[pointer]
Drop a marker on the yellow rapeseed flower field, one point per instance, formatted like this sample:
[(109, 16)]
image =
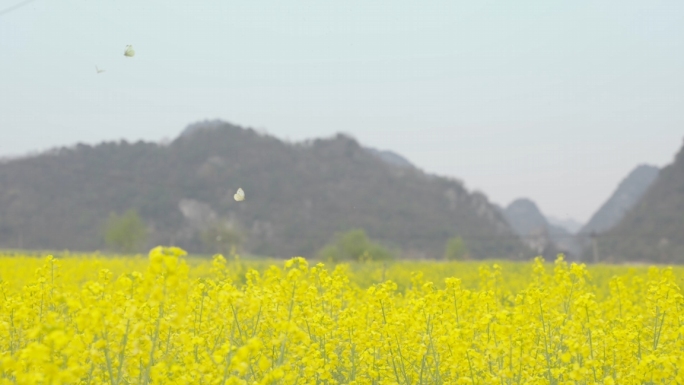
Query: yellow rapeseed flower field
[(168, 319)]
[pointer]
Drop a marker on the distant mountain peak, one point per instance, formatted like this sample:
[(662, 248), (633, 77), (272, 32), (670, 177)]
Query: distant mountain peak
[(525, 217), (340, 139), (569, 224), (653, 228), (531, 225), (205, 125), (391, 158), (628, 193)]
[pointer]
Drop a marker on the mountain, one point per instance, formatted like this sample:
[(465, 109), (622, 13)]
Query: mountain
[(298, 196), (653, 230), (391, 158), (536, 232), (569, 224), (525, 217), (206, 125), (627, 194)]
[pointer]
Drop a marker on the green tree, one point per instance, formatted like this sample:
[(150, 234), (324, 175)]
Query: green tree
[(125, 233), (354, 245), (455, 249)]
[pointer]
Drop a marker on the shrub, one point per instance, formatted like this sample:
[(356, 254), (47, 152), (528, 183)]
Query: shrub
[(455, 249), (125, 233), (354, 245)]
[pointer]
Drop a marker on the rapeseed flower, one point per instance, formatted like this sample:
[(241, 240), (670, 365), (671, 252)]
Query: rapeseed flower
[(172, 320)]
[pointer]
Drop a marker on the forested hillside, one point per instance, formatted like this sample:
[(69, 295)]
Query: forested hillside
[(298, 196), (654, 229)]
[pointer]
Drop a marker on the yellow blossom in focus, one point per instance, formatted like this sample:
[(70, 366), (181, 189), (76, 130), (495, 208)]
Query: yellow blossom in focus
[(174, 319)]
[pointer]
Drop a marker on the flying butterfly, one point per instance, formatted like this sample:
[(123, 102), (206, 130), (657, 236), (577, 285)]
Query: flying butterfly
[(129, 52), (239, 195), (99, 71)]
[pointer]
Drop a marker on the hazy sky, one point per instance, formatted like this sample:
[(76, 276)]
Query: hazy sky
[(555, 101)]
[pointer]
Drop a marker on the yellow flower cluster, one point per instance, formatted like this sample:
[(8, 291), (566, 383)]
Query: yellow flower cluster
[(169, 320)]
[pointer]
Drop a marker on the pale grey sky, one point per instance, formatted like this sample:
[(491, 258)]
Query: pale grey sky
[(555, 101)]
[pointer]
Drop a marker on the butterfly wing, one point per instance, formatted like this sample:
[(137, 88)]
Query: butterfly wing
[(239, 195), (129, 52)]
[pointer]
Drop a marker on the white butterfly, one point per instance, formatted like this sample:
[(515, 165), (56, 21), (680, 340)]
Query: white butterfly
[(129, 52), (99, 71), (239, 195)]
